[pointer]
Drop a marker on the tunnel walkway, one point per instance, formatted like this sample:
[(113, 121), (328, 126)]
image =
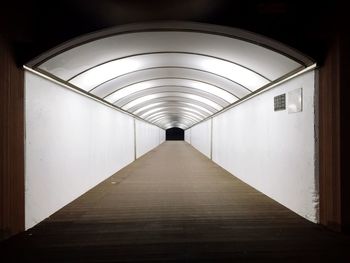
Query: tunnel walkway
[(175, 205)]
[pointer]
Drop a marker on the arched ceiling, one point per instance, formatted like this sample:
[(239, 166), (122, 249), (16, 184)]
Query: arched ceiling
[(171, 74)]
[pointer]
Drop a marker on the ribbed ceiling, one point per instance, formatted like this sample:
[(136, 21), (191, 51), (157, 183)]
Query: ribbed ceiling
[(171, 74)]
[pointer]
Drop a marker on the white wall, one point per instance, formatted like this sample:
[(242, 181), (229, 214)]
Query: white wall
[(272, 151), (147, 137), (72, 144), (188, 136), (201, 137), (161, 136)]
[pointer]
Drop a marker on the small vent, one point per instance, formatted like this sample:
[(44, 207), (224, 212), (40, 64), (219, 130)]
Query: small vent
[(280, 102)]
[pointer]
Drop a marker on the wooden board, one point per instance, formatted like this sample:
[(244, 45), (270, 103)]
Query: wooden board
[(11, 144), (175, 205)]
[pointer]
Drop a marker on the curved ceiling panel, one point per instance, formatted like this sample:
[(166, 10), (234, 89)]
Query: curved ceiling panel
[(163, 120), (171, 74), (190, 96), (176, 125), (144, 111), (171, 99), (166, 82), (174, 112), (177, 107), (171, 89), (99, 74), (89, 55)]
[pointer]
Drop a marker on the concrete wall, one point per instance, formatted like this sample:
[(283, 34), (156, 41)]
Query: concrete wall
[(272, 151), (72, 144)]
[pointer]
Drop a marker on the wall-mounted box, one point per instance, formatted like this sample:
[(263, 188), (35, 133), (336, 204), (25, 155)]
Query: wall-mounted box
[(295, 100)]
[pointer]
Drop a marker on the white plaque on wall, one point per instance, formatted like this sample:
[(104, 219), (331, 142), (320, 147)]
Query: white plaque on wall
[(295, 100)]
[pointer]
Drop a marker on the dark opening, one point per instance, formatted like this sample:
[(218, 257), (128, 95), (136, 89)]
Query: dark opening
[(175, 134)]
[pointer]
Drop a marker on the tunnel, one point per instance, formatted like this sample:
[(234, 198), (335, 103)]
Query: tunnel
[(172, 141), (174, 134)]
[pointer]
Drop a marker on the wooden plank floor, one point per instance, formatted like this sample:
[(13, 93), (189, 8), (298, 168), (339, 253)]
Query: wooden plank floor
[(175, 205)]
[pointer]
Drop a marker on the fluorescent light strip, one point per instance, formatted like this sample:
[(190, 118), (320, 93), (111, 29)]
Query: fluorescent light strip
[(148, 106), (189, 121), (196, 117), (172, 102), (107, 71), (150, 112), (175, 125), (165, 121), (176, 94), (127, 91), (172, 116)]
